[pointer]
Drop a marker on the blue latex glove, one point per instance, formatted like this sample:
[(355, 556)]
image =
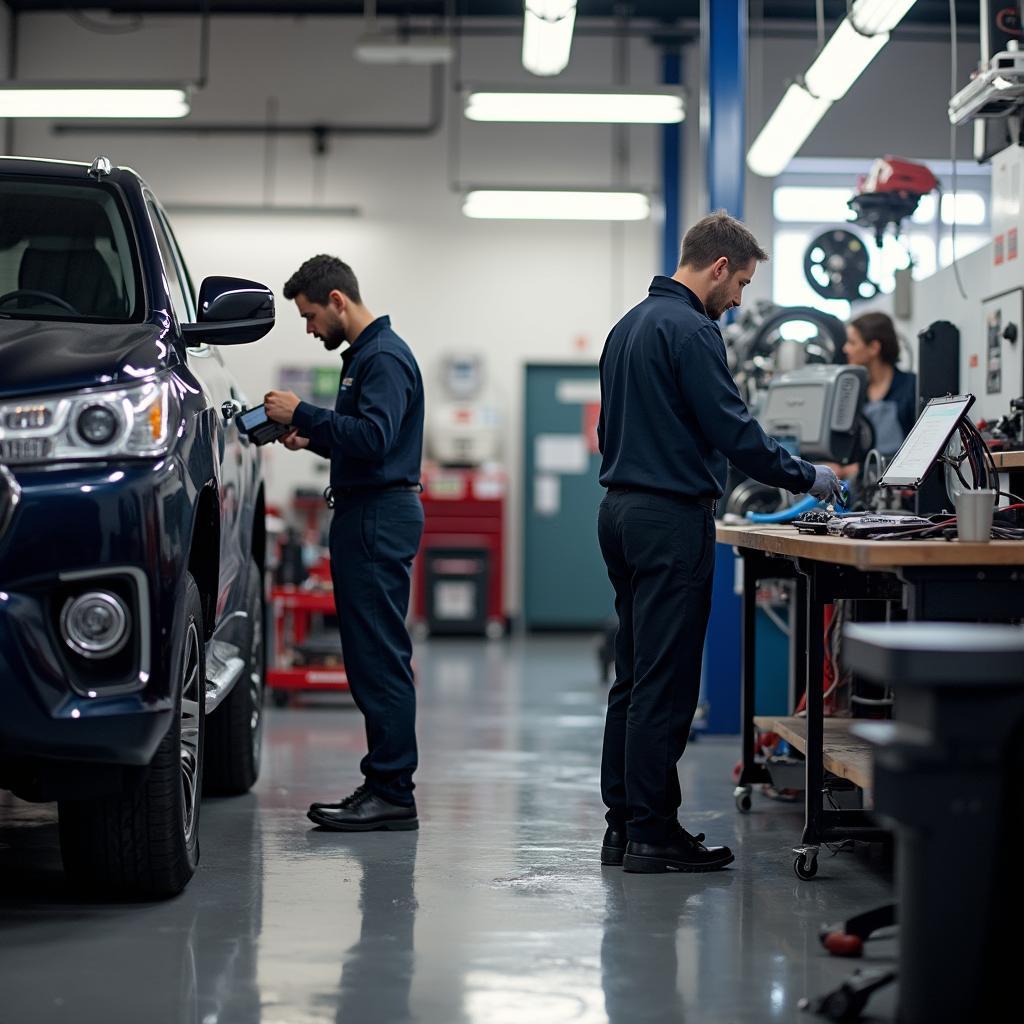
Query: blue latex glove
[(826, 486)]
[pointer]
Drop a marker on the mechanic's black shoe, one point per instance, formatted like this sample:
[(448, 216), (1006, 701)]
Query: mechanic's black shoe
[(682, 852), (341, 805), (613, 846), (366, 812)]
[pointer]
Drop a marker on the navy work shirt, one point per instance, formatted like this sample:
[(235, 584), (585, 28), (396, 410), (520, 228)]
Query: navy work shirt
[(374, 436), (671, 414)]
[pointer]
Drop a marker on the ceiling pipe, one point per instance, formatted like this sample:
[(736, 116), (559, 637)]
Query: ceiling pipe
[(319, 132)]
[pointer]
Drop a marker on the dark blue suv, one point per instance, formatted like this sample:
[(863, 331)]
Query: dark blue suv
[(131, 526)]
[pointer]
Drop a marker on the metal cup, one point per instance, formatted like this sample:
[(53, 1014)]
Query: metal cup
[(974, 515)]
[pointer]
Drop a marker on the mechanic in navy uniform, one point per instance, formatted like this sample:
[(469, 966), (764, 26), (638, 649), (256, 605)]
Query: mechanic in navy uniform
[(671, 418), (374, 439)]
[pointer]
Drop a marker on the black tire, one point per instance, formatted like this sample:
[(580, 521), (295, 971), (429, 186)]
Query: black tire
[(235, 729), (144, 842)]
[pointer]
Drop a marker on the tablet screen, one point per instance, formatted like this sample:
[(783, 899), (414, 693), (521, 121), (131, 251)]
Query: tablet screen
[(926, 441)]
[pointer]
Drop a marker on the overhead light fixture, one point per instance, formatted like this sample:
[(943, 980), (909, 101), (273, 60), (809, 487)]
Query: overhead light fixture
[(550, 204), (852, 47), (786, 131), (547, 35), (871, 16), (96, 101), (390, 48), (842, 61), (606, 106)]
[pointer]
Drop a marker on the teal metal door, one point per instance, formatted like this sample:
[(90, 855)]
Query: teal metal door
[(565, 585)]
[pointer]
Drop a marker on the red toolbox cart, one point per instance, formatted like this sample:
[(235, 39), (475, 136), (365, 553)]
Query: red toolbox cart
[(294, 609), (458, 578)]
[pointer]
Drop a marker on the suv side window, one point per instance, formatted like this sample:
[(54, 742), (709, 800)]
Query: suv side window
[(177, 283)]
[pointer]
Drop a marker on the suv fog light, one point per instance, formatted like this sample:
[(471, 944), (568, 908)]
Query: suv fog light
[(97, 424), (95, 625)]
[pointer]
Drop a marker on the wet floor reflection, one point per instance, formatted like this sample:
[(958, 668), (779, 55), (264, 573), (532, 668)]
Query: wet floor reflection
[(377, 970), (65, 957)]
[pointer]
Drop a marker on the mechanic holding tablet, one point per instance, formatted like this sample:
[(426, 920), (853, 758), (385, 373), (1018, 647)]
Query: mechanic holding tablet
[(374, 440)]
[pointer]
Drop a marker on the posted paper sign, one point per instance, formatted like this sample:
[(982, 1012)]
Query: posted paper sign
[(578, 392), (561, 453), (547, 494)]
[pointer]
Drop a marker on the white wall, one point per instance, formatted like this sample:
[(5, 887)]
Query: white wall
[(518, 291)]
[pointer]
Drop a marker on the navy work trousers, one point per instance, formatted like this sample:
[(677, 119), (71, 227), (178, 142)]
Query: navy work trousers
[(374, 538), (660, 553)]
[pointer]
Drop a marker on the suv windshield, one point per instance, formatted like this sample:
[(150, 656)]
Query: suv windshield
[(65, 253)]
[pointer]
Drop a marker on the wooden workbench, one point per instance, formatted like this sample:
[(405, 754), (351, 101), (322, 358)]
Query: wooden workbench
[(869, 555), (935, 580), (1009, 460)]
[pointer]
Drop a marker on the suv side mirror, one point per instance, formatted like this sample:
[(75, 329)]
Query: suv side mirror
[(232, 311)]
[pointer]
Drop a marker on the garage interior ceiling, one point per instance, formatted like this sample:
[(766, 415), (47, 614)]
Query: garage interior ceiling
[(923, 13)]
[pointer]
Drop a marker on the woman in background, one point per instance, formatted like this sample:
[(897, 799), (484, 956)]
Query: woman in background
[(891, 402)]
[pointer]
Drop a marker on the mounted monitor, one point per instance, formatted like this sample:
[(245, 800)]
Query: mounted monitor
[(926, 441)]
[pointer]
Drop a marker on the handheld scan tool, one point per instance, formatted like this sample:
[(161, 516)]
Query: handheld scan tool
[(259, 427)]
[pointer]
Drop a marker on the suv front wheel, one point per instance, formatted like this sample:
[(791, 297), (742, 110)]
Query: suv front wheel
[(144, 842)]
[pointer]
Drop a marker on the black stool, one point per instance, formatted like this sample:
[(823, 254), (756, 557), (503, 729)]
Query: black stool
[(948, 773)]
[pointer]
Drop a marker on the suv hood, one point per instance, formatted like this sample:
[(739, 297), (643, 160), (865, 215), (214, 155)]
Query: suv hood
[(40, 357)]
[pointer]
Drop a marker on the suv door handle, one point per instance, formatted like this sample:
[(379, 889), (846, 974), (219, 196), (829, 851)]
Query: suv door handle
[(230, 409)]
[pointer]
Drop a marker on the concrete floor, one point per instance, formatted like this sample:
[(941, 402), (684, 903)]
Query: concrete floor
[(496, 912)]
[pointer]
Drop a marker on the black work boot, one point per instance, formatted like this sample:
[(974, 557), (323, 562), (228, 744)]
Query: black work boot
[(365, 812), (613, 846), (341, 804), (682, 852)]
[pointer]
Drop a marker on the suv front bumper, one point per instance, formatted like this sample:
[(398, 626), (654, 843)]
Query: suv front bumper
[(76, 528)]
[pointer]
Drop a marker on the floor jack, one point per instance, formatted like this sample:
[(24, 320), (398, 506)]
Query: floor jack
[(847, 1002)]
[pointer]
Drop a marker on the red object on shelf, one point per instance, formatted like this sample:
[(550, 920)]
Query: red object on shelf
[(293, 610), (464, 511), (894, 174)]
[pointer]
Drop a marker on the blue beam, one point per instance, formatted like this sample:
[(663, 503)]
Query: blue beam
[(724, 25), (671, 170)]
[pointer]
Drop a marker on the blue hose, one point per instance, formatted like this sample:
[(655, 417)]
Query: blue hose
[(805, 504), (786, 515)]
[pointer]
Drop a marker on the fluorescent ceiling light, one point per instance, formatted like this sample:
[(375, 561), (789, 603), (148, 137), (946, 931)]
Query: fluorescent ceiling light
[(388, 48), (23, 99), (516, 204), (547, 35), (871, 16), (852, 47), (580, 107), (35, 99), (842, 61), (787, 129)]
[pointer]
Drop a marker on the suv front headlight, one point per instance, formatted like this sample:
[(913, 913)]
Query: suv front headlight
[(129, 422)]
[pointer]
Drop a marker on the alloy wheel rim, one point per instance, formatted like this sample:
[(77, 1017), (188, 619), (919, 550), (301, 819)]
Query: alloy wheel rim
[(190, 709)]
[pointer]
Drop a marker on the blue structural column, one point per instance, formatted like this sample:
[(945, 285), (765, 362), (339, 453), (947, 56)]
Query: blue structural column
[(671, 169), (724, 40)]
